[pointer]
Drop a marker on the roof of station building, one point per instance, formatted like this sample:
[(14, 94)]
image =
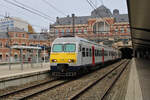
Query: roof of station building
[(99, 12)]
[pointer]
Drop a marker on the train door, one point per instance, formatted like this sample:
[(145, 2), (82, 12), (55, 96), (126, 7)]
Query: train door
[(80, 53), (93, 55), (103, 55)]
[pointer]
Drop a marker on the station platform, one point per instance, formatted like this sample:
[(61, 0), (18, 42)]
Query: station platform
[(18, 75), (139, 80), (16, 70)]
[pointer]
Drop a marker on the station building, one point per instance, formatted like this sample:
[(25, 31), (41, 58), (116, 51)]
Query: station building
[(101, 25), (17, 36)]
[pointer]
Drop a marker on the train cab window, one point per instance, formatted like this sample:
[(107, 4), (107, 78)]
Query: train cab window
[(57, 48), (69, 48), (87, 52), (83, 52)]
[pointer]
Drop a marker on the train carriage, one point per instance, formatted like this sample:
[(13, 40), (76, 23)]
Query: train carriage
[(73, 55)]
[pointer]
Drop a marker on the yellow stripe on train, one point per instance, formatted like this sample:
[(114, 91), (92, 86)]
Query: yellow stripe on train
[(63, 57)]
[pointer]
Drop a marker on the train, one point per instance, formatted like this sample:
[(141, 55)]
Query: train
[(72, 55)]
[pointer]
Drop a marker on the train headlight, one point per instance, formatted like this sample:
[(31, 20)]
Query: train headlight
[(70, 60), (54, 60)]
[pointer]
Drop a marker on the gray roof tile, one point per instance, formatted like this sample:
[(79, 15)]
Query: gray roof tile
[(37, 36), (101, 11)]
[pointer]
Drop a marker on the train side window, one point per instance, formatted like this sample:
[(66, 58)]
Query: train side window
[(83, 52), (87, 52), (79, 47), (95, 52), (98, 52), (90, 52), (105, 53)]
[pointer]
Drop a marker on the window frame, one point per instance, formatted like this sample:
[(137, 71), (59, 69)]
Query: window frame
[(67, 44), (58, 51)]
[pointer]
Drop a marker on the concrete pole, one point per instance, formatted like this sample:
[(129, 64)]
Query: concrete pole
[(44, 54), (21, 56), (37, 56), (73, 24), (9, 42)]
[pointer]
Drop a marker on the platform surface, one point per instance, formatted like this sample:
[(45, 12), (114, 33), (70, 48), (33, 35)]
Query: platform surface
[(143, 69), (139, 80), (27, 69)]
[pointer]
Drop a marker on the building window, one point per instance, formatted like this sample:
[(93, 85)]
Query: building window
[(7, 57), (0, 57), (16, 35), (23, 35), (76, 30), (23, 44), (15, 44), (80, 31), (128, 30), (16, 56), (62, 32), (56, 31), (6, 45), (0, 44), (122, 30), (85, 31), (116, 30), (67, 31)]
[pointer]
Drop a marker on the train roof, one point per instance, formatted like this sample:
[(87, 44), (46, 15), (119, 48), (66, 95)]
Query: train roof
[(75, 39)]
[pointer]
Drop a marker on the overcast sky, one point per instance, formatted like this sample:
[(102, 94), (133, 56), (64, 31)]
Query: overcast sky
[(79, 7)]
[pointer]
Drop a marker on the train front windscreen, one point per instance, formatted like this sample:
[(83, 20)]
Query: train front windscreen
[(64, 47)]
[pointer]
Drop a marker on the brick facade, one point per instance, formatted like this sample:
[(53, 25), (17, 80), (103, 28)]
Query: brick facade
[(20, 38)]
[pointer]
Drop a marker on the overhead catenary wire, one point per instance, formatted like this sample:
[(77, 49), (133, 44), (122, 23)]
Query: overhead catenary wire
[(52, 6), (31, 8), (19, 6), (89, 2)]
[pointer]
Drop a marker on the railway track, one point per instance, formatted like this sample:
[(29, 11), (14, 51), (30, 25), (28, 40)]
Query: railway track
[(31, 91), (23, 93), (79, 93)]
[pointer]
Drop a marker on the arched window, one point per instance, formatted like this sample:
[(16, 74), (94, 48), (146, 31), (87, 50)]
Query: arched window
[(16, 57), (101, 27)]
